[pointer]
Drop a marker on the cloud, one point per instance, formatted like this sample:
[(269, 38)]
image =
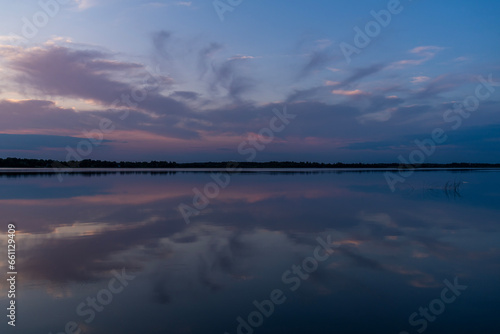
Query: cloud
[(229, 75), (332, 83), (362, 73), (420, 79), (441, 84), (380, 145), (318, 60), (332, 69), (321, 93), (60, 71), (484, 138), (92, 75), (20, 142), (185, 95), (348, 92), (310, 94), (211, 121), (42, 117), (12, 39), (185, 4), (379, 116), (425, 53), (205, 55), (241, 57), (86, 4), (160, 42)]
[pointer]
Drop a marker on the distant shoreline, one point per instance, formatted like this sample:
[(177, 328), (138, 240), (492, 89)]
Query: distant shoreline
[(41, 165)]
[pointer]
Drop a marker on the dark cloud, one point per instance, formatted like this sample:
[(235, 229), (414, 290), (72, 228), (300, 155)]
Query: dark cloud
[(160, 42), (373, 145), (204, 57), (229, 75), (185, 95), (36, 142), (59, 71), (83, 74), (41, 115), (472, 140), (361, 73), (375, 120), (38, 115), (318, 60), (441, 84), (322, 93), (310, 94)]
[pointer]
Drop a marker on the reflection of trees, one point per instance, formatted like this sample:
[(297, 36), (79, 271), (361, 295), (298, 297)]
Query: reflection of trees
[(450, 189)]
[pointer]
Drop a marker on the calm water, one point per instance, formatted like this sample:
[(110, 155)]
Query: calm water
[(424, 252)]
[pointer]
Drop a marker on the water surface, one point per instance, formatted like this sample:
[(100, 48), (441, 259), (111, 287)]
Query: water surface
[(392, 254)]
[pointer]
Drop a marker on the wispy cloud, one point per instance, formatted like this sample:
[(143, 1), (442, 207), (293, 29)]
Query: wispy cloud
[(362, 73), (317, 60), (205, 56), (460, 59), (425, 53), (441, 84), (86, 4), (380, 116), (349, 92), (157, 4), (332, 83), (420, 79), (184, 3), (230, 76), (241, 57)]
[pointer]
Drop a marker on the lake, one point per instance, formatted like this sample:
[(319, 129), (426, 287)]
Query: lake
[(254, 252)]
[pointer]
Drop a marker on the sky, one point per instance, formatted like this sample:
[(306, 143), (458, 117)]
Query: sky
[(202, 80)]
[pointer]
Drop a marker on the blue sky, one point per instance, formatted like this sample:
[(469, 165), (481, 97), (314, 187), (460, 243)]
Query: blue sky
[(204, 87)]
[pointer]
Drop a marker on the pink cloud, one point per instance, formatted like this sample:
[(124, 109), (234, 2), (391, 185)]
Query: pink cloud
[(420, 79), (349, 92), (425, 53), (332, 83)]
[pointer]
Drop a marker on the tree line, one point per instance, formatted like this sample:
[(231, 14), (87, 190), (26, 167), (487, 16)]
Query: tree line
[(88, 163)]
